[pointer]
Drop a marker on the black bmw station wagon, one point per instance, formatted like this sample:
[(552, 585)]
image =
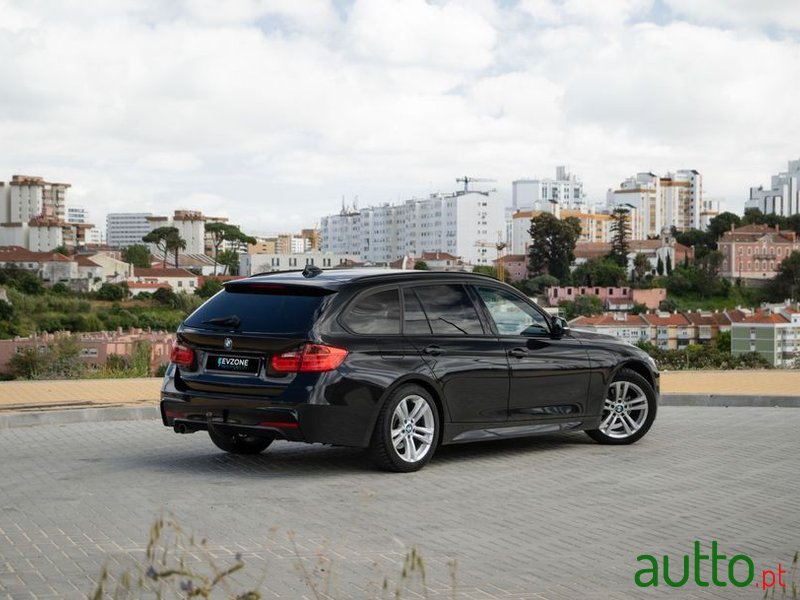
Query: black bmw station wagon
[(398, 362)]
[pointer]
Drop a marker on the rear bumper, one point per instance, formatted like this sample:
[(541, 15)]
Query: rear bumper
[(326, 424)]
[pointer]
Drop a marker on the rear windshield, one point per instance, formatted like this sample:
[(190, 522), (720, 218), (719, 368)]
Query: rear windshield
[(259, 311)]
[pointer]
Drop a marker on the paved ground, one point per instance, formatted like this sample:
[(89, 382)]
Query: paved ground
[(549, 518), (24, 395)]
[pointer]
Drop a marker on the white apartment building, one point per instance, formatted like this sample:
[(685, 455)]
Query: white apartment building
[(783, 196), (464, 224), (548, 195), (250, 264), (33, 213), (658, 203), (126, 229)]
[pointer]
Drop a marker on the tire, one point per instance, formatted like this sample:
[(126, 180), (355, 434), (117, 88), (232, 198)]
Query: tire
[(629, 409), (407, 430), (238, 443)]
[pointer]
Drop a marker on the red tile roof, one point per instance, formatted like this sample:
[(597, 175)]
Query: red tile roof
[(156, 273), (619, 320), (675, 319), (20, 254), (766, 318), (84, 261)]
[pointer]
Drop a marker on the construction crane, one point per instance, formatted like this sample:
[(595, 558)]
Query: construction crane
[(499, 245), (466, 180)]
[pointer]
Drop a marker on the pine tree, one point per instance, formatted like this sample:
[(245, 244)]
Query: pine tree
[(621, 231), (669, 265), (660, 266)]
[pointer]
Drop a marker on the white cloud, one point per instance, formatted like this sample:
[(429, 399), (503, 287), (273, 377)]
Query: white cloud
[(781, 14), (270, 112)]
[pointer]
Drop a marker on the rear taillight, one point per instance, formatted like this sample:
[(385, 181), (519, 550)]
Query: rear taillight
[(181, 355), (311, 358)]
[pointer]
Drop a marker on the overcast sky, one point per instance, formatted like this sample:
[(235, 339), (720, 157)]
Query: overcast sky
[(270, 111)]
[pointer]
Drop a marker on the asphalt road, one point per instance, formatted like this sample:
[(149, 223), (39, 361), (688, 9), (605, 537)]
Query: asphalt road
[(556, 517)]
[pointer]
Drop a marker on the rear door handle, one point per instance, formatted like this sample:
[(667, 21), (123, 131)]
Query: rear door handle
[(433, 350), (518, 352)]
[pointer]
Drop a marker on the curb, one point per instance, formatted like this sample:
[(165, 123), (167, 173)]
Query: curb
[(32, 417), (722, 400)]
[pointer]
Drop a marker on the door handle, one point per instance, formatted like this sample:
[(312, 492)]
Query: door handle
[(518, 352), (433, 350)]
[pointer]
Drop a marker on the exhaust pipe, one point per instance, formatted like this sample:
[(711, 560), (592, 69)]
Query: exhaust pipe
[(181, 428)]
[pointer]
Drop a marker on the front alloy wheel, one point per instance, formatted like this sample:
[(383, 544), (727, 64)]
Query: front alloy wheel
[(628, 410), (407, 430)]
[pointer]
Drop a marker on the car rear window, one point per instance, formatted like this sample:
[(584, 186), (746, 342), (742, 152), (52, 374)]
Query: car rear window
[(277, 311)]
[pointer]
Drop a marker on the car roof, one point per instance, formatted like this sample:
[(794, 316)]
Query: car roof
[(334, 279)]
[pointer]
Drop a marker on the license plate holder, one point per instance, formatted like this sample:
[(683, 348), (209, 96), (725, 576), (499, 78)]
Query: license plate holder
[(226, 363)]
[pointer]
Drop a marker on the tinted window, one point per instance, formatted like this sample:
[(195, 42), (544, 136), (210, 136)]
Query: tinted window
[(449, 309), (377, 313), (415, 321), (259, 311), (511, 315)]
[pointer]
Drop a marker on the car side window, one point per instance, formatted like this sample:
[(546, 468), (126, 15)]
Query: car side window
[(414, 320), (449, 309), (374, 314), (511, 315)]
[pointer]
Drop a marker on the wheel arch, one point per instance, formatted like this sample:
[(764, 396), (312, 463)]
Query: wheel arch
[(424, 382), (638, 367)]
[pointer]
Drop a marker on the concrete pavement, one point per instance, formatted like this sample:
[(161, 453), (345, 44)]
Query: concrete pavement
[(550, 518)]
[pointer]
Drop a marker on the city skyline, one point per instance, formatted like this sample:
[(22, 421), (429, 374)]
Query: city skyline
[(271, 112)]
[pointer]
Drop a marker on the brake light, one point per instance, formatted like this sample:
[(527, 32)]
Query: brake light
[(311, 358), (181, 355)]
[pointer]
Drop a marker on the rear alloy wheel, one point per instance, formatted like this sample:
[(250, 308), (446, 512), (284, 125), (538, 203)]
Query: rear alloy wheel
[(237, 443), (628, 410), (407, 430)]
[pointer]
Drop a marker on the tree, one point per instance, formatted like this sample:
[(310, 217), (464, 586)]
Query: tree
[(668, 267), (138, 255), (586, 306), (230, 260), (209, 288), (165, 296), (486, 270), (111, 291), (175, 243), (421, 265), (602, 272), (621, 231), (552, 248), (641, 266), (62, 249), (708, 282), (787, 282), (701, 241), (223, 232), (660, 266), (162, 238), (722, 223)]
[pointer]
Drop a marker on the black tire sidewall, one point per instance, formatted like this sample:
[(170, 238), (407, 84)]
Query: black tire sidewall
[(382, 448), (652, 408)]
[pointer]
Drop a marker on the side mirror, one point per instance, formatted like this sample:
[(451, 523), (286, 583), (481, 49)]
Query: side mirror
[(560, 327)]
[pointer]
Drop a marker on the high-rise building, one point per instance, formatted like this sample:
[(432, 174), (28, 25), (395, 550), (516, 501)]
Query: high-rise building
[(783, 196), (33, 213), (658, 203), (548, 195), (126, 229), (595, 227), (464, 224)]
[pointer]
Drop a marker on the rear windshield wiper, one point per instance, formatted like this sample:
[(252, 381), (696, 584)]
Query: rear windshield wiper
[(229, 321)]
